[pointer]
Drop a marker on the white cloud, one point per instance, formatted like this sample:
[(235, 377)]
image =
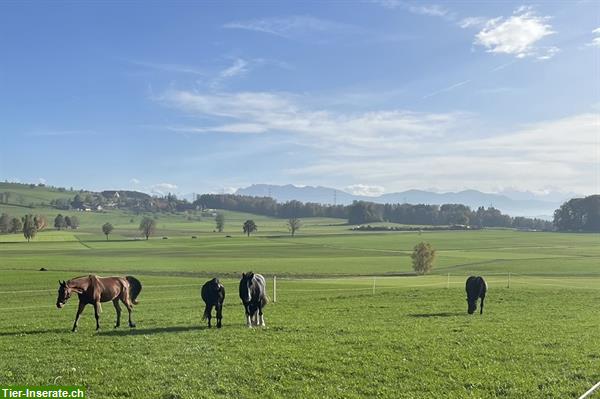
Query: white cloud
[(239, 67), (261, 112), (366, 190), (516, 35), (472, 22), (134, 181), (432, 10), (163, 188), (596, 40), (400, 149), (41, 180)]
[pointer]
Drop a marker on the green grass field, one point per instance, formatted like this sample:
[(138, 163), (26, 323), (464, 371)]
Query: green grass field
[(330, 334)]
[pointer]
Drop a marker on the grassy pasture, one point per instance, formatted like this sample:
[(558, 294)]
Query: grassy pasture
[(329, 334)]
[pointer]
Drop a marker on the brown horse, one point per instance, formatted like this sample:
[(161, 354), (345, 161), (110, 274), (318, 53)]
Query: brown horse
[(94, 290)]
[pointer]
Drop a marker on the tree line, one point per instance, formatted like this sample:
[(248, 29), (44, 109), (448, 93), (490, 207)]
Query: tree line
[(361, 212)]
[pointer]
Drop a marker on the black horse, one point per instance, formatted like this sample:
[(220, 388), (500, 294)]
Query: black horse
[(476, 288), (253, 293), (213, 294)]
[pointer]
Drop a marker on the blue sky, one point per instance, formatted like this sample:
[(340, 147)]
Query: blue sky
[(365, 96)]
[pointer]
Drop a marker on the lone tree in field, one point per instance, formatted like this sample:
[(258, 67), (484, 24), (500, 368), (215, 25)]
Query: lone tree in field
[(220, 222), (147, 226), (29, 227), (422, 257), (249, 227), (107, 228), (294, 225), (59, 222)]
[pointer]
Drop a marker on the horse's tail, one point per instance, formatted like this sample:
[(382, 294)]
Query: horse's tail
[(135, 287), (265, 300)]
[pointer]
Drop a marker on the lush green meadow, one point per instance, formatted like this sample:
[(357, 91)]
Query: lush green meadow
[(350, 321)]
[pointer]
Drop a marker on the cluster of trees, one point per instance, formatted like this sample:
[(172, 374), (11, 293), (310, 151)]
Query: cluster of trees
[(579, 214), (361, 212), (29, 225), (66, 222)]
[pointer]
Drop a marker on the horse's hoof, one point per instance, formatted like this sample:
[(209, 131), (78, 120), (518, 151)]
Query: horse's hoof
[(117, 326), (132, 325)]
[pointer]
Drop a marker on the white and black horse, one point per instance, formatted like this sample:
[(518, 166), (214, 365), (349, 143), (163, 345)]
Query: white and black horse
[(213, 294), (476, 288), (253, 293)]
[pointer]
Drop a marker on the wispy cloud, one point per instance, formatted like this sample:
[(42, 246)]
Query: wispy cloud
[(516, 35), (386, 147), (163, 188), (446, 89), (365, 189), (315, 30), (432, 10), (596, 40), (292, 27)]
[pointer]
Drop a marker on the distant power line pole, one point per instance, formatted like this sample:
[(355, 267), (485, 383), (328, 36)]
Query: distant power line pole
[(334, 197)]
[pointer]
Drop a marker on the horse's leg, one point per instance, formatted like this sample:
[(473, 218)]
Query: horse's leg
[(97, 314), (260, 316), (208, 313), (248, 320), (482, 298), (219, 307), (129, 307), (118, 309), (79, 311)]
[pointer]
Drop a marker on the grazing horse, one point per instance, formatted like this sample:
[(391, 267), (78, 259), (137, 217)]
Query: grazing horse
[(213, 294), (476, 288), (253, 293), (94, 290)]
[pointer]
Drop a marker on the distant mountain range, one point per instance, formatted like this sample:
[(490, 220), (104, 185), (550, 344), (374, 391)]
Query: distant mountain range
[(519, 204)]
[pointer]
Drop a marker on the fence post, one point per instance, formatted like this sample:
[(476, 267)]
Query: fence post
[(448, 282), (374, 278), (274, 289), (508, 286)]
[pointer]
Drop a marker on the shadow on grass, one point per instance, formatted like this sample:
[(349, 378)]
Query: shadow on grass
[(33, 332), (440, 314), (153, 330)]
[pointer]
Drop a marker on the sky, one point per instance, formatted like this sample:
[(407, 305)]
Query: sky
[(369, 97)]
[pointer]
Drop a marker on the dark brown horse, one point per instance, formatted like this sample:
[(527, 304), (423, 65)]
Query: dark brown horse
[(213, 294), (93, 290), (476, 288)]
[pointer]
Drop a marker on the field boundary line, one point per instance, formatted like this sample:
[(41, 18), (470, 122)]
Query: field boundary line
[(590, 391)]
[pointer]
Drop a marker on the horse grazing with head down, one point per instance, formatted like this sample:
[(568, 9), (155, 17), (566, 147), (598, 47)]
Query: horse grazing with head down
[(476, 288), (213, 294), (253, 293), (93, 290)]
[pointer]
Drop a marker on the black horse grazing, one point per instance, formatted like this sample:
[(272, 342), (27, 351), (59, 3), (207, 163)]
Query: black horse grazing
[(253, 293), (213, 294), (476, 288)]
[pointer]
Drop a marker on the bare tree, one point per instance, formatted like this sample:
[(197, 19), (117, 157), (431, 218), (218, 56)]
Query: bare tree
[(294, 225)]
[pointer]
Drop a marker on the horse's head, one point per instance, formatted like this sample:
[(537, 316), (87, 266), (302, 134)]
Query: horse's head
[(245, 284), (472, 305), (64, 293)]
